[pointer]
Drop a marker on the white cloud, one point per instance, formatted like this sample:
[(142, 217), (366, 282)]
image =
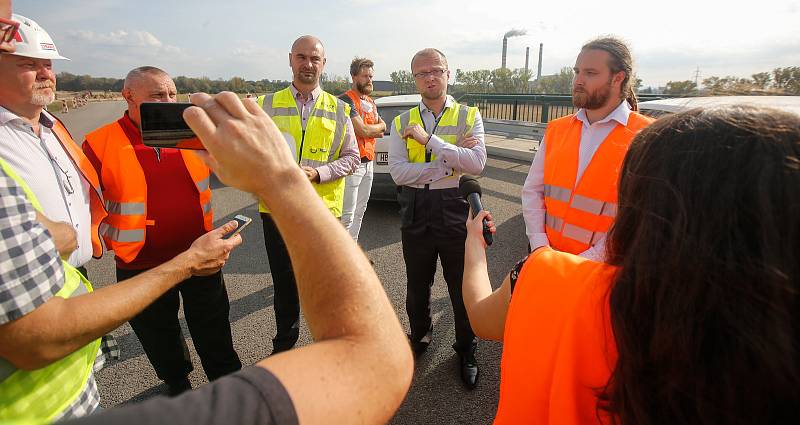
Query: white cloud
[(118, 38)]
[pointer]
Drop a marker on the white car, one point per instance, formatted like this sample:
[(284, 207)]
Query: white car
[(660, 108), (383, 187)]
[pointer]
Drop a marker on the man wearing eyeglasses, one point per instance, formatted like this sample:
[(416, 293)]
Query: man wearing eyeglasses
[(430, 146), (40, 148)]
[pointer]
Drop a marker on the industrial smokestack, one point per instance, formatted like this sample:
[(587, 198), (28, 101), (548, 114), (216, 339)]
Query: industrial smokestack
[(539, 70), (527, 58), (506, 36), (505, 50)]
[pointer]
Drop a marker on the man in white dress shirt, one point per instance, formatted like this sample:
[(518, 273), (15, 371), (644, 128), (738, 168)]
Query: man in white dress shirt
[(569, 199)]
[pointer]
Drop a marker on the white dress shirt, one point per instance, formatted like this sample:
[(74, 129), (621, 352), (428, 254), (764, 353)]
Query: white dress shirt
[(533, 209), (450, 159), (56, 181)]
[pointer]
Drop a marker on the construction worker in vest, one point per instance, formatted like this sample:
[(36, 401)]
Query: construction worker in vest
[(41, 149), (51, 320), (368, 126), (319, 132), (159, 201), (569, 198), (430, 146)]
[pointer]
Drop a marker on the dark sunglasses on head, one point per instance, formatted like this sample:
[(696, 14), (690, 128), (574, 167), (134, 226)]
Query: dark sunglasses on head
[(8, 30)]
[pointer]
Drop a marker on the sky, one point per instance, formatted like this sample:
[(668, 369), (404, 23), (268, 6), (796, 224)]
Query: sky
[(670, 40)]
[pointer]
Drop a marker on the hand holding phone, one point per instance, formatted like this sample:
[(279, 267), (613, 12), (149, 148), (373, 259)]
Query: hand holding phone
[(243, 221)]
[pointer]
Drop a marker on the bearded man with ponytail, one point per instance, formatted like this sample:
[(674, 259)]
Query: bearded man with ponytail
[(569, 199)]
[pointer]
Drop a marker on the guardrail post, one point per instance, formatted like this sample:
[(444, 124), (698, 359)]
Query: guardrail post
[(545, 112), (514, 114)]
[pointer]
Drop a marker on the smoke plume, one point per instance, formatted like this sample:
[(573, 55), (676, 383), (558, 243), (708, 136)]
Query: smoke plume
[(515, 33)]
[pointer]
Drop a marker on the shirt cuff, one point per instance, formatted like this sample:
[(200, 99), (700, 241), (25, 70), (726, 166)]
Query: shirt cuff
[(538, 240), (324, 173), (435, 145)]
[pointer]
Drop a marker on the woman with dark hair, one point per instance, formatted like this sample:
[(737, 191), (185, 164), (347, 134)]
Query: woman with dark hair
[(694, 320)]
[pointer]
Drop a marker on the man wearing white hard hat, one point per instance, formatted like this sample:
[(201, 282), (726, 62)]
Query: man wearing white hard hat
[(42, 151)]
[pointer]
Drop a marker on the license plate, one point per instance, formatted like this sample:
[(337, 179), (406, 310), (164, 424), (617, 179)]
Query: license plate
[(383, 158)]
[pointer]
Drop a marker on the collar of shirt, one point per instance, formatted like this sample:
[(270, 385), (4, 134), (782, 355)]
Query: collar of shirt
[(7, 116), (131, 129), (302, 98), (620, 114), (448, 102)]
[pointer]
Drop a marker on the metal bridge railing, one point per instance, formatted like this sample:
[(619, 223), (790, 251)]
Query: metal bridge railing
[(527, 107)]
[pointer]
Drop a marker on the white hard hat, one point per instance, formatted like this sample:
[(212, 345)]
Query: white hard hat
[(33, 41)]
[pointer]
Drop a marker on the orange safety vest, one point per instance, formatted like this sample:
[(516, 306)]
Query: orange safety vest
[(578, 214), (125, 186), (96, 206), (558, 344), (366, 147)]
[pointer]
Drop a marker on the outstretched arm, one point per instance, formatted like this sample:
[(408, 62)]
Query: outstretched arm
[(360, 367)]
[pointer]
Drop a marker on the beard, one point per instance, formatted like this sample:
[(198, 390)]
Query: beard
[(40, 97), (593, 100), (364, 88), (307, 78)]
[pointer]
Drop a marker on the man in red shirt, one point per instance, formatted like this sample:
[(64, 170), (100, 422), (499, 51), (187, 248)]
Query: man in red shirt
[(159, 201)]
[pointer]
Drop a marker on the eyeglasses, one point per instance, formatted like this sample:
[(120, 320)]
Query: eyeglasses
[(8, 30), (435, 73)]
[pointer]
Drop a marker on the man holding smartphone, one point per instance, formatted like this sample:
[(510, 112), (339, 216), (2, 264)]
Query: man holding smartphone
[(159, 201), (318, 129)]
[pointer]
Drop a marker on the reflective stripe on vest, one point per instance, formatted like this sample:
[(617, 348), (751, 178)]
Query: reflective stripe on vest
[(455, 124), (43, 394), (124, 230), (81, 162), (578, 218), (321, 141)]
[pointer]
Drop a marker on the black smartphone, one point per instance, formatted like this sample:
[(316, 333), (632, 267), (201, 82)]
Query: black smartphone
[(163, 126), (243, 222)]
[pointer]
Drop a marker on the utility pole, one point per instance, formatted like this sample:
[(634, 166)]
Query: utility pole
[(697, 78)]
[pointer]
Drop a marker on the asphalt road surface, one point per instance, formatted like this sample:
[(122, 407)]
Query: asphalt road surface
[(437, 394)]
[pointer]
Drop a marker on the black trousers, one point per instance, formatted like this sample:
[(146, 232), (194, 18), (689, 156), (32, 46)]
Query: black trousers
[(206, 306), (433, 226), (285, 301)]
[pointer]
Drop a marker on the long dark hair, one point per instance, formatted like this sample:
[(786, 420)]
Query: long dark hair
[(621, 60), (705, 308)]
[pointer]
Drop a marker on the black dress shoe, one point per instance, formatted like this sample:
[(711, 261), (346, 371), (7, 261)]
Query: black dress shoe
[(417, 347), (175, 388), (469, 369)]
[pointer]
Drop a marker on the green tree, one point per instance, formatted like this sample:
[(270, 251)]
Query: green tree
[(762, 80), (681, 87), (403, 82)]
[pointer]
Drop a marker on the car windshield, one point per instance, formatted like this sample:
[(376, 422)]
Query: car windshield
[(388, 114)]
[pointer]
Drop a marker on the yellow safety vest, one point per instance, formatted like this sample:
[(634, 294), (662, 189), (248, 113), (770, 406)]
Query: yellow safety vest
[(41, 395), (321, 141), (455, 124)]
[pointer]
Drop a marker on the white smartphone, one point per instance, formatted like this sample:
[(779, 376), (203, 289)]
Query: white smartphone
[(243, 222)]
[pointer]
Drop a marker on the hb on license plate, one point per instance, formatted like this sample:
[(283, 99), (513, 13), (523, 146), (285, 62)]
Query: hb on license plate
[(383, 158)]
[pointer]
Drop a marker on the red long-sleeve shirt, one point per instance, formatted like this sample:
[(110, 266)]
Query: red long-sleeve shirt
[(173, 202)]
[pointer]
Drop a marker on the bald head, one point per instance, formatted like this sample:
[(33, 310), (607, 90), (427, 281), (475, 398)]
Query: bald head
[(138, 75), (307, 60), (147, 84), (308, 41), (429, 53)]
